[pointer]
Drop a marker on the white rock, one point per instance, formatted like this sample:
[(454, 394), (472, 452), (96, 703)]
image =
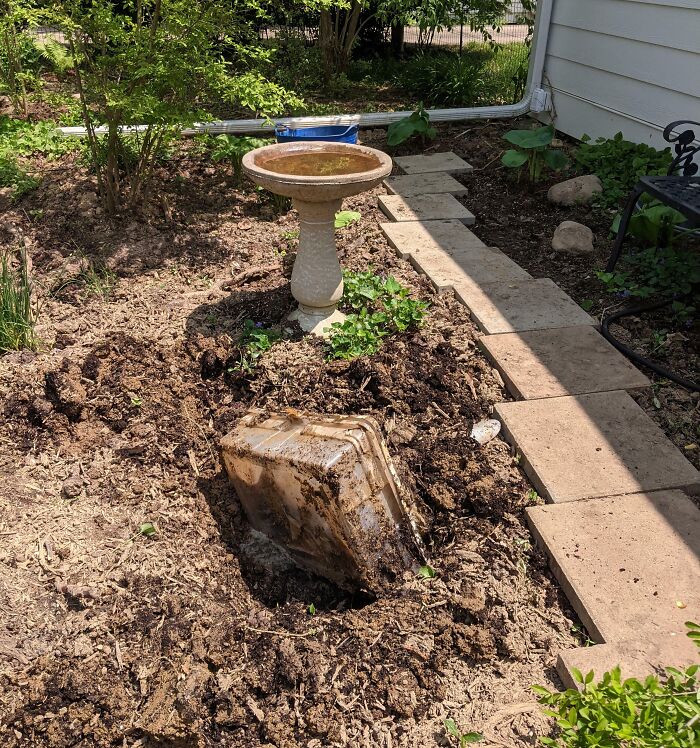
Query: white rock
[(576, 191), (572, 237), (484, 431)]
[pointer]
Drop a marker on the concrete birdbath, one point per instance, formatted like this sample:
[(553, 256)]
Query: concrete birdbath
[(317, 176)]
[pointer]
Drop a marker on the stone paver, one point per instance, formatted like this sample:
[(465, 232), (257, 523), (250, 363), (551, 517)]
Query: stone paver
[(626, 563), (586, 446), (637, 658), (424, 184), (469, 268), (409, 237), (562, 361), (425, 163), (525, 305), (425, 208)]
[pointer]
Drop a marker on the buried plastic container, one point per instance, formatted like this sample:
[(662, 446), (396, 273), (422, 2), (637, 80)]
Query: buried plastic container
[(325, 489), (329, 133)]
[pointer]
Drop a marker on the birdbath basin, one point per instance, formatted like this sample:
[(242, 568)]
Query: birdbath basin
[(317, 176)]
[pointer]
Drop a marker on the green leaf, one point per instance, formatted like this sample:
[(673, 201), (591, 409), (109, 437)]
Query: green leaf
[(556, 160), (426, 572), (312, 609), (513, 159), (528, 139), (147, 529), (452, 728), (578, 677), (344, 218), (470, 737)]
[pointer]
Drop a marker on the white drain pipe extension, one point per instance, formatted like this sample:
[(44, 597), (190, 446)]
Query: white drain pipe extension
[(535, 100)]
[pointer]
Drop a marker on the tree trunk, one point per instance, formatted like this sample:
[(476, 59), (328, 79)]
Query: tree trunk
[(397, 40), (325, 42)]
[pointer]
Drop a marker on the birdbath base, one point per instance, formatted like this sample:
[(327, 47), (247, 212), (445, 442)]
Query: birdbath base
[(316, 321)]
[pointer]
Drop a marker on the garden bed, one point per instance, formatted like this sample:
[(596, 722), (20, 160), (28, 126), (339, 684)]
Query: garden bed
[(193, 635)]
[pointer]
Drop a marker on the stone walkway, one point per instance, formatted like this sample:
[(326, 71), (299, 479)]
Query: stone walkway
[(622, 536)]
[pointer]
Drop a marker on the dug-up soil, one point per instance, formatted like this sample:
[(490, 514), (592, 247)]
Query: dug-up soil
[(198, 635)]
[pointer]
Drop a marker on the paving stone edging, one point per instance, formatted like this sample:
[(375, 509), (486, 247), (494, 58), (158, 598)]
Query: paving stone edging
[(627, 560)]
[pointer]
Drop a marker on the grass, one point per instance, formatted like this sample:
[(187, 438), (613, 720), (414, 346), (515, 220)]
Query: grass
[(18, 314)]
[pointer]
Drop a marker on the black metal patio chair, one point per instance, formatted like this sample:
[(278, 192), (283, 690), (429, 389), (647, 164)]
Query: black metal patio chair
[(680, 190)]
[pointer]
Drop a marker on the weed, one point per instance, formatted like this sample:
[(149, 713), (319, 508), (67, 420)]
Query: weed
[(532, 148), (416, 124), (659, 711), (254, 341), (619, 164), (464, 738), (94, 277), (344, 218), (311, 610), (136, 401), (147, 529), (426, 572), (18, 313), (532, 496)]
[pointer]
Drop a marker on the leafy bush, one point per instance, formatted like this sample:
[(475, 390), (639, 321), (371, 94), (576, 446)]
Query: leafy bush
[(447, 78), (18, 313), (232, 149), (619, 164), (379, 307), (532, 148), (416, 124), (154, 62), (655, 713)]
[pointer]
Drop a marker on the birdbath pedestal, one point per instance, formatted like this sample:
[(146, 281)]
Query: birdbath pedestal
[(317, 176)]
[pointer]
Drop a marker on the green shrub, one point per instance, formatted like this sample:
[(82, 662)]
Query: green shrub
[(619, 164), (18, 313), (444, 78)]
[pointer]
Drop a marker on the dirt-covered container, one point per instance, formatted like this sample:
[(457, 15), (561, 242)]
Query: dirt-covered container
[(324, 488)]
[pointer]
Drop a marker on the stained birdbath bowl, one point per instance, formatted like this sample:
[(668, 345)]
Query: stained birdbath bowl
[(317, 176)]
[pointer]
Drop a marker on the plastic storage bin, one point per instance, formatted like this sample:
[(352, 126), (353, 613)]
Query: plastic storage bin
[(324, 488), (330, 133)]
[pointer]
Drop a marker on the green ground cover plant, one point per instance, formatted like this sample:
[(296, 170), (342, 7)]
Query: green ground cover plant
[(659, 712), (18, 312), (20, 138), (619, 164), (378, 307)]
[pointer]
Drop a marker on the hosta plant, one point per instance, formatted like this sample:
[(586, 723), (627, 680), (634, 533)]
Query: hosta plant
[(416, 124), (532, 147)]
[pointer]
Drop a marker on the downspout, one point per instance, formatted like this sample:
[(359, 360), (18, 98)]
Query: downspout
[(532, 101)]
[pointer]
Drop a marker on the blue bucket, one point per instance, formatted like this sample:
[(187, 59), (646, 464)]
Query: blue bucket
[(330, 133)]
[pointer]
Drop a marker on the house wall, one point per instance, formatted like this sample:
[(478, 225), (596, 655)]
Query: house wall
[(623, 65)]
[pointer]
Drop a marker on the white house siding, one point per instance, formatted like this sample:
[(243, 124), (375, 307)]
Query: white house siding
[(623, 65)]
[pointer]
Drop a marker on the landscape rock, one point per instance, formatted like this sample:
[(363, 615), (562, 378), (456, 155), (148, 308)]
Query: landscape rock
[(576, 191), (572, 237)]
